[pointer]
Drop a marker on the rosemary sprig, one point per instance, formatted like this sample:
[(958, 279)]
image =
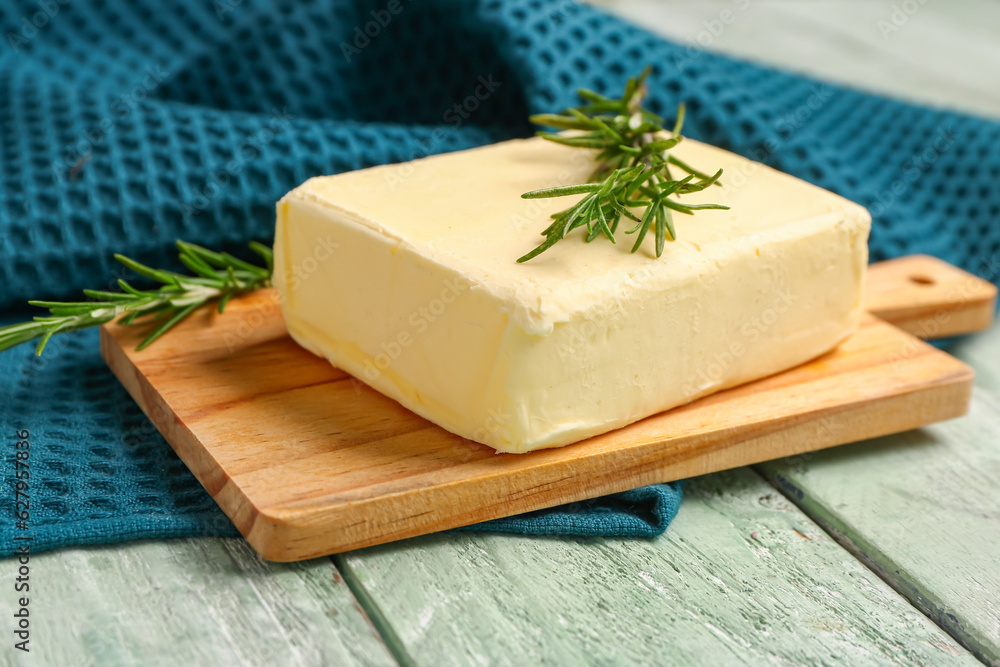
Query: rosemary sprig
[(633, 173), (217, 275), (633, 176)]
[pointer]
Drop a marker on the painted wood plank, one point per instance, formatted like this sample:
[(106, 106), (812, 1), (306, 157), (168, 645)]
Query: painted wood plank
[(741, 577), (921, 509), (941, 54), (982, 352), (202, 601)]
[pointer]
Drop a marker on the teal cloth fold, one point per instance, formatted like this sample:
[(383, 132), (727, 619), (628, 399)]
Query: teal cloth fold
[(100, 472), (125, 125)]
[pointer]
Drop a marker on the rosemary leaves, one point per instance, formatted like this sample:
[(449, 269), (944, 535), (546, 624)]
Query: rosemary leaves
[(633, 171), (216, 276)]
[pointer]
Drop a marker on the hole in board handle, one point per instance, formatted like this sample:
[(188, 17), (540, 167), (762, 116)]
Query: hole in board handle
[(921, 279)]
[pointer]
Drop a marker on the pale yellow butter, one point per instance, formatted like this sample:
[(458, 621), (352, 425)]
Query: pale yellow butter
[(405, 277)]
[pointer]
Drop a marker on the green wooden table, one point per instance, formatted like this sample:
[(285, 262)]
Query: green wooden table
[(880, 552)]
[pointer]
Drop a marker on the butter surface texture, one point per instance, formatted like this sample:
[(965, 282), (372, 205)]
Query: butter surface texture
[(405, 277)]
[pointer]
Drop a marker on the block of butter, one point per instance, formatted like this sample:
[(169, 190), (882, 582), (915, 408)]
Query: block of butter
[(405, 277)]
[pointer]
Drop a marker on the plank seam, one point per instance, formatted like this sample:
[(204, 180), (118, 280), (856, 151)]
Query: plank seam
[(373, 613), (939, 616)]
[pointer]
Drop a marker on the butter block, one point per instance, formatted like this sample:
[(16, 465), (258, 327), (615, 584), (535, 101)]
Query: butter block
[(405, 277)]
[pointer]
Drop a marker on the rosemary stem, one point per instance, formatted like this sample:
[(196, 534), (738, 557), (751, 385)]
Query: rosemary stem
[(627, 137), (218, 276)]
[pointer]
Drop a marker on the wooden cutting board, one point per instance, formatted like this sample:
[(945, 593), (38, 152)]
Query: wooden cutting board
[(308, 461)]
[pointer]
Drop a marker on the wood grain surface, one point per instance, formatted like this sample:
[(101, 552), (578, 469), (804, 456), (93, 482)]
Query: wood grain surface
[(307, 461), (932, 527), (199, 601), (928, 527), (929, 298), (858, 43), (741, 577), (982, 352)]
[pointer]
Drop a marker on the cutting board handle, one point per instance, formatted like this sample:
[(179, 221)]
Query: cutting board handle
[(929, 297)]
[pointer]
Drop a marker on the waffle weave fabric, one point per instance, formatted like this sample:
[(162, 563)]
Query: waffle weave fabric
[(127, 125)]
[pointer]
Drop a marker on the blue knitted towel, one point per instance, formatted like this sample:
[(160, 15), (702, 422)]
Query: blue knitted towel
[(125, 125)]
